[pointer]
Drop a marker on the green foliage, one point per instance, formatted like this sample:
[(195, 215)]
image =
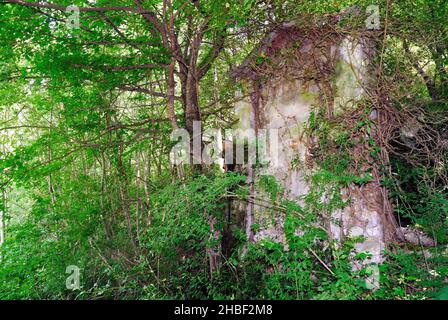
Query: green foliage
[(176, 243), (443, 294), (421, 198), (412, 274), (85, 176), (270, 185)]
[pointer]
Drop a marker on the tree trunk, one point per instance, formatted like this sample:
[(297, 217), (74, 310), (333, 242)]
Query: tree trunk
[(2, 219)]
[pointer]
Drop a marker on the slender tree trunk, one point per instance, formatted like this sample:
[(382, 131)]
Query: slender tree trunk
[(213, 250), (138, 183), (124, 196), (50, 159), (192, 116), (104, 190), (2, 219)]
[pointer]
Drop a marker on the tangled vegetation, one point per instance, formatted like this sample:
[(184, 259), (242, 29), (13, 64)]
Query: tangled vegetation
[(85, 172)]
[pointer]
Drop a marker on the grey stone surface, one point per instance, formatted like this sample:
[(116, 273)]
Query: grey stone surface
[(286, 107)]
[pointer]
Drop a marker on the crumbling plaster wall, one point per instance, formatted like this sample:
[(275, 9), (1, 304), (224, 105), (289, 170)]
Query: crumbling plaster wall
[(286, 105)]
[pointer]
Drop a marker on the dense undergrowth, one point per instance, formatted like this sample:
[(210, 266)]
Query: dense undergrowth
[(172, 261), (86, 179)]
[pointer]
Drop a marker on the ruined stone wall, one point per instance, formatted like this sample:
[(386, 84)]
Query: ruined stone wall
[(285, 104)]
